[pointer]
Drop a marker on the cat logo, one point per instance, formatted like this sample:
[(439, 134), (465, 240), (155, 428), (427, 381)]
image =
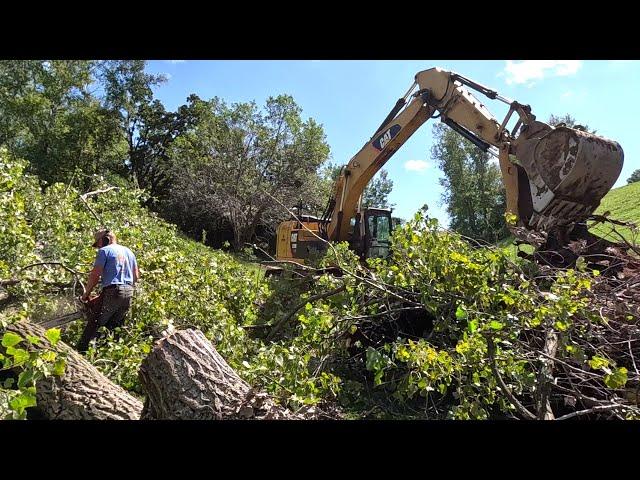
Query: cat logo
[(383, 140)]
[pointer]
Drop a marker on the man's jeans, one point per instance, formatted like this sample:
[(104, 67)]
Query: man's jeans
[(116, 301)]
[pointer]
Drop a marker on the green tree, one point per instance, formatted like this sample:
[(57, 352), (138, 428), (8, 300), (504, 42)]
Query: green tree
[(635, 177), (377, 192), (231, 164), (568, 121), (146, 126), (474, 193), (50, 118)]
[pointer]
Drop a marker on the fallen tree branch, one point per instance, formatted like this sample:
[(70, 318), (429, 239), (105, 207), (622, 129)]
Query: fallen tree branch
[(15, 281), (545, 376), (95, 215), (599, 408), (522, 410), (84, 196), (281, 323)]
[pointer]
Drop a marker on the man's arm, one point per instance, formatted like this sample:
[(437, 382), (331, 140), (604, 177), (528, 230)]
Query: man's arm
[(94, 278), (136, 272), (95, 274)]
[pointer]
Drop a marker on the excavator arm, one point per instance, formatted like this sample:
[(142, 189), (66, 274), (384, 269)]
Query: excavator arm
[(554, 177)]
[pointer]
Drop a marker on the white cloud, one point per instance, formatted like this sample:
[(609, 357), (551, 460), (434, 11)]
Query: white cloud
[(567, 94), (529, 71), (416, 165), (176, 61)]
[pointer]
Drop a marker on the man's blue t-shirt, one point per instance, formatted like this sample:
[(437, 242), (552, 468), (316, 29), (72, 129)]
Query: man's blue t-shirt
[(118, 264)]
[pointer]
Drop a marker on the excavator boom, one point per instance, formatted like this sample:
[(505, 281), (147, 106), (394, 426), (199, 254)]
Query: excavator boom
[(554, 177)]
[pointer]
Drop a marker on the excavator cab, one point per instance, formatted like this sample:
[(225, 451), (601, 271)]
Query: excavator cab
[(371, 234)]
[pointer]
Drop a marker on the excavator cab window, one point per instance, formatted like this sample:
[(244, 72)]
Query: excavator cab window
[(378, 233)]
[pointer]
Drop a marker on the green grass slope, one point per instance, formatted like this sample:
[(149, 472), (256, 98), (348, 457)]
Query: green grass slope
[(621, 204)]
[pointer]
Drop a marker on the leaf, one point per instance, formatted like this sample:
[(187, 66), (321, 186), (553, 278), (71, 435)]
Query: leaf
[(33, 340), (25, 378), (510, 218), (59, 366), (373, 358), (598, 362), (461, 313), (48, 356), (617, 379), (473, 325), (495, 325), (402, 353), (23, 401), (53, 335), (8, 383), (20, 355), (378, 377), (9, 339)]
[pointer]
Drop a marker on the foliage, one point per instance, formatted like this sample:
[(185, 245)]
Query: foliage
[(377, 192), (635, 176), (16, 395), (466, 297), (148, 128), (236, 159), (474, 194), (569, 121), (432, 331), (183, 283), (50, 118)]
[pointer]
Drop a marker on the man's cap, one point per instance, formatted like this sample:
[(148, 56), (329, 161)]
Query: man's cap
[(99, 235)]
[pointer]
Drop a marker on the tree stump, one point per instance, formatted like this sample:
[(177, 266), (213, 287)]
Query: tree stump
[(82, 393), (185, 378)]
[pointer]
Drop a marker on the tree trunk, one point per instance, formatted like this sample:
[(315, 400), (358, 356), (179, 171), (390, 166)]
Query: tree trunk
[(185, 378), (82, 393)]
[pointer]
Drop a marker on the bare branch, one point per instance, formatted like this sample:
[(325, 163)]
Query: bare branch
[(84, 196), (491, 349), (599, 408)]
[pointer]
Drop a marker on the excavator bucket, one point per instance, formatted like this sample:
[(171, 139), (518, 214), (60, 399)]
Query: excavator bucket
[(568, 171)]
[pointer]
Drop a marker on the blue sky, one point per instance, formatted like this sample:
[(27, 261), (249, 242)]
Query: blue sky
[(351, 98)]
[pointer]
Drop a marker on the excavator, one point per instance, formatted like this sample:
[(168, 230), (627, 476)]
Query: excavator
[(554, 177)]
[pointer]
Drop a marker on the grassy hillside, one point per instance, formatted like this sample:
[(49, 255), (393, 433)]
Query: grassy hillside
[(619, 204), (622, 204)]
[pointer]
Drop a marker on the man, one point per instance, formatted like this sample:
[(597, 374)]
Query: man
[(118, 268)]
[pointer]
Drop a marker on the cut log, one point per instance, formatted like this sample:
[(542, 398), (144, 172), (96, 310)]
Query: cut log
[(185, 378), (82, 393)]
